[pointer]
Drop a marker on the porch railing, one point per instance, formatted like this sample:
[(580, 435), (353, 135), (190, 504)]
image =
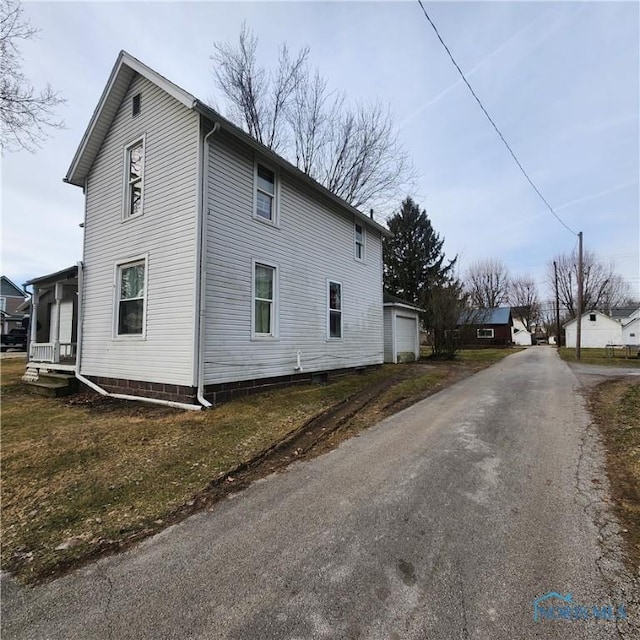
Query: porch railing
[(47, 352)]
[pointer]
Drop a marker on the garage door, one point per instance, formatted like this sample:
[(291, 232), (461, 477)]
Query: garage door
[(406, 338)]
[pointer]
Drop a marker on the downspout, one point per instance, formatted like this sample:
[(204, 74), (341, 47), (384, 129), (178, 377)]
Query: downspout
[(93, 385), (202, 230)]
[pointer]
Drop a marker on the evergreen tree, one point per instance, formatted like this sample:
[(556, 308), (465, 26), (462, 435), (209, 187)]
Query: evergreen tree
[(414, 262)]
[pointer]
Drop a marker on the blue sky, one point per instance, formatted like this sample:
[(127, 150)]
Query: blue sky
[(561, 80)]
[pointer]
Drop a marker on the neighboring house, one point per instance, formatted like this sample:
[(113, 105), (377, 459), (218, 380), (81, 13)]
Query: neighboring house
[(212, 267), (597, 331), (486, 327), (520, 335), (631, 332), (11, 297), (401, 330)]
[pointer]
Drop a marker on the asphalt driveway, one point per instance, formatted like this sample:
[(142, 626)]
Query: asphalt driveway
[(444, 521)]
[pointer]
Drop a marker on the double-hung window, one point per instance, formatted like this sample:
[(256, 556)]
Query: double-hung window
[(358, 232), (134, 167), (264, 300), (266, 204), (334, 311), (131, 292)]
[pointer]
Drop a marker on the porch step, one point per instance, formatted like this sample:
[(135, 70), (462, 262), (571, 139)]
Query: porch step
[(54, 384)]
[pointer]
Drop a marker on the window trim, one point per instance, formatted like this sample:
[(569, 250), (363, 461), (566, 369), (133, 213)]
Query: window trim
[(275, 328), (127, 183), (357, 224), (118, 264), (489, 337), (275, 218), (329, 310)]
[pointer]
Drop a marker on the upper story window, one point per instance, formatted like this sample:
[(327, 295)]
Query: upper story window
[(131, 293), (265, 199), (136, 104), (592, 317), (264, 300), (358, 231), (334, 309), (134, 166), (3, 304)]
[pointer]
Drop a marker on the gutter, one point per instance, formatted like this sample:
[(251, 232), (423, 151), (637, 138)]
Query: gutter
[(93, 385), (202, 248)]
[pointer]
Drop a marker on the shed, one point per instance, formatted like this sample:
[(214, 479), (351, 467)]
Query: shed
[(486, 327), (401, 330)]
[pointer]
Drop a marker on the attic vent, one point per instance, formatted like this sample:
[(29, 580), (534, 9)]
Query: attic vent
[(135, 104), (592, 317)]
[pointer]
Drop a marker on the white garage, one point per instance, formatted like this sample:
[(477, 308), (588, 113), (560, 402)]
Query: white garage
[(401, 330)]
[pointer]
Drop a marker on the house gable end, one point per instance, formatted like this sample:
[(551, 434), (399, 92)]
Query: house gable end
[(10, 290), (123, 72)]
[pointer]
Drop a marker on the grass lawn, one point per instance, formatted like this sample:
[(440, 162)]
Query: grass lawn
[(599, 356), (616, 407), (82, 476), (476, 356)]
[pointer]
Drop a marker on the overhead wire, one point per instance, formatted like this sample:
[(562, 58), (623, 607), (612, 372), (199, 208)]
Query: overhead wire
[(486, 113)]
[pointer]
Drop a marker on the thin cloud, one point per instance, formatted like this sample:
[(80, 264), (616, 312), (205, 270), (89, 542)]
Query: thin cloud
[(594, 196), (515, 37)]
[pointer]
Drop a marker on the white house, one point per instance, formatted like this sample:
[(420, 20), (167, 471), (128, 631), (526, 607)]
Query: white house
[(631, 332), (520, 335), (597, 331), (211, 267)]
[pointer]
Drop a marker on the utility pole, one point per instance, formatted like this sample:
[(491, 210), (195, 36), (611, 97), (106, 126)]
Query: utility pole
[(579, 326), (555, 271)]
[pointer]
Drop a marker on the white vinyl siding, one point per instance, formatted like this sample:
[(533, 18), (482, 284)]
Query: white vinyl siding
[(167, 233), (313, 244), (389, 355)]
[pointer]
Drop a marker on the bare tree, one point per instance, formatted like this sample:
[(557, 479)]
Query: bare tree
[(603, 287), (524, 300), (487, 283), (353, 151), (26, 114), (257, 98)]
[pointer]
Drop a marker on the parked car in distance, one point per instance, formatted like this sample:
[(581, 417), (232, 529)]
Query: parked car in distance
[(15, 339)]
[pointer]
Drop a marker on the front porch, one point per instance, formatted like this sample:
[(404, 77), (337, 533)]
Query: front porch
[(53, 326)]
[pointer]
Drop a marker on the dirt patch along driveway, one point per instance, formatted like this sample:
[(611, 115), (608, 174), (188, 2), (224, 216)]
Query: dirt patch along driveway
[(88, 475)]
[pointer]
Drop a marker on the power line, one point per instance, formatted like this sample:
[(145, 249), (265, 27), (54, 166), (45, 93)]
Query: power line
[(486, 113)]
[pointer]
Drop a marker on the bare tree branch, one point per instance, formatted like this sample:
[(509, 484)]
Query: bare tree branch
[(26, 114), (603, 288), (524, 300), (487, 283), (354, 152)]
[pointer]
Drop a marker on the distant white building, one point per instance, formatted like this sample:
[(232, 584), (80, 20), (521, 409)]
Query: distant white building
[(520, 335), (600, 330)]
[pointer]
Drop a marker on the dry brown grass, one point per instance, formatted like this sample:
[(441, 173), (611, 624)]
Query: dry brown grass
[(81, 478), (85, 475), (616, 406)]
